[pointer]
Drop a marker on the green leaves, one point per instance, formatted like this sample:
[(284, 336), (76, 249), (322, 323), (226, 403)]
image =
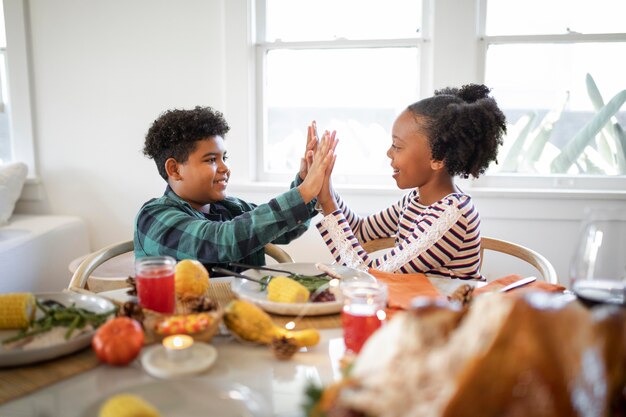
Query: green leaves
[(598, 148), (573, 150)]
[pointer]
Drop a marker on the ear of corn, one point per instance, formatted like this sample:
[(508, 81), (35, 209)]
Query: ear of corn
[(127, 405), (16, 310), (286, 290)]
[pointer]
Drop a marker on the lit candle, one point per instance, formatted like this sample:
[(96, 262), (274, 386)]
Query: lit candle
[(178, 346)]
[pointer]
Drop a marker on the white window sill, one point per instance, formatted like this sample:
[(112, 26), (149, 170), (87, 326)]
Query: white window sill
[(32, 190), (543, 194)]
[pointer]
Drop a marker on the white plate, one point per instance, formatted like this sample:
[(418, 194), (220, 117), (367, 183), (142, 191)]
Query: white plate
[(195, 398), (250, 291), (92, 303)]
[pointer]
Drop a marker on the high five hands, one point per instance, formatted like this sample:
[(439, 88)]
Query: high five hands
[(319, 160)]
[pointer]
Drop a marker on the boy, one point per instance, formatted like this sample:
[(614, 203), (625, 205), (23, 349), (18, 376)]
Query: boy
[(194, 218)]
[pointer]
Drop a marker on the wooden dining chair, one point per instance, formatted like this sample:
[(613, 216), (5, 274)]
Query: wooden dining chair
[(532, 257), (83, 279)]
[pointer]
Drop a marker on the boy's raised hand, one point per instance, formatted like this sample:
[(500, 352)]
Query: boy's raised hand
[(322, 160), (311, 144)]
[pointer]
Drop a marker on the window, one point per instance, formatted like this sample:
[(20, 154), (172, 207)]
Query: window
[(552, 67), (363, 57), (16, 128), (5, 140)]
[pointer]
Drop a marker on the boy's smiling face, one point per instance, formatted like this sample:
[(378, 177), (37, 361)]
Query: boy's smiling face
[(203, 177)]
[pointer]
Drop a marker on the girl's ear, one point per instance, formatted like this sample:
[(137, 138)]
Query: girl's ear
[(171, 167), (436, 165)]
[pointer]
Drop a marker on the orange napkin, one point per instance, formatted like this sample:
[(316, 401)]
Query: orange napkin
[(402, 288), (495, 285)]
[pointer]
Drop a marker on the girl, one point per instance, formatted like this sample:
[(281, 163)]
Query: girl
[(436, 226)]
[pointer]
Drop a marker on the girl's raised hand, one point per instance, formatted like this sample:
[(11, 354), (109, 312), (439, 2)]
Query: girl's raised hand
[(322, 159), (326, 197)]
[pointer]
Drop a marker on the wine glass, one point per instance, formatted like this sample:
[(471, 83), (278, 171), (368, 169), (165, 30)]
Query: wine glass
[(598, 268)]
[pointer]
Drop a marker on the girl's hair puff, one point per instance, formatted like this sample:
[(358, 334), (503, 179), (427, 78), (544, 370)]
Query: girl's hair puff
[(464, 127)]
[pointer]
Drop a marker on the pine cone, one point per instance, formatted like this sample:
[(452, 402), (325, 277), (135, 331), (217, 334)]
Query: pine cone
[(132, 283), (132, 310), (283, 347), (201, 304), (462, 295)]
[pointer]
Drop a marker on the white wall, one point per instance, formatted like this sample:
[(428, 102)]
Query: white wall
[(102, 71)]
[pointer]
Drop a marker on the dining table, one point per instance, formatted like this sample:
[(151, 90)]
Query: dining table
[(246, 379), (243, 372)]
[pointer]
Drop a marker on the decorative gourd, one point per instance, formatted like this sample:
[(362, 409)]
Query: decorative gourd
[(250, 323)]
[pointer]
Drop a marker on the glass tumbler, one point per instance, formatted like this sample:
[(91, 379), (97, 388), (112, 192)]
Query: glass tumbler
[(363, 312), (154, 276)]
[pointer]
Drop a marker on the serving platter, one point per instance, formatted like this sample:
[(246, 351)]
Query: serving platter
[(20, 356), (191, 397), (252, 292)]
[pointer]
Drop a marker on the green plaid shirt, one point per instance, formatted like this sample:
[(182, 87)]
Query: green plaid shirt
[(232, 231)]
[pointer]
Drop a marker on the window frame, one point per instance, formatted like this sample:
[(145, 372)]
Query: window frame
[(262, 47), (438, 47), (19, 85), (555, 182)]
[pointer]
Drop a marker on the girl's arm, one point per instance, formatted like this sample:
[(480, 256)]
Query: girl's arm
[(427, 248)]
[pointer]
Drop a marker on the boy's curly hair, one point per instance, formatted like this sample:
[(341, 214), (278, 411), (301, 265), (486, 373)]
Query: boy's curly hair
[(175, 133), (464, 126)]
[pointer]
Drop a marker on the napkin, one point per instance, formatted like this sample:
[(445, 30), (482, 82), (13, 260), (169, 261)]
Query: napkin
[(499, 283), (402, 288)]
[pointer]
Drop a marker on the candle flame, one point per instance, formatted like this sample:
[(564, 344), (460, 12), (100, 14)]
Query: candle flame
[(178, 342)]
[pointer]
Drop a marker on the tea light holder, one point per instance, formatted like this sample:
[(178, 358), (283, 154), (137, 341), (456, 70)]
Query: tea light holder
[(178, 346)]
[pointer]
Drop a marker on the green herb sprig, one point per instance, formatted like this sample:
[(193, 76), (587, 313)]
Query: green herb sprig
[(56, 315), (312, 283)]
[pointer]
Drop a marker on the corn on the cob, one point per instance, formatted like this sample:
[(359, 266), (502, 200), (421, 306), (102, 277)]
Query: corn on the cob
[(286, 290), (16, 310), (127, 405)]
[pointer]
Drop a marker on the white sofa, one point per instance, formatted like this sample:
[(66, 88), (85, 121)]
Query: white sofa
[(35, 251)]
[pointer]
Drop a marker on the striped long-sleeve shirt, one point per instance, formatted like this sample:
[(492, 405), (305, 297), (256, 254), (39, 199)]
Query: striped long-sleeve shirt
[(441, 239)]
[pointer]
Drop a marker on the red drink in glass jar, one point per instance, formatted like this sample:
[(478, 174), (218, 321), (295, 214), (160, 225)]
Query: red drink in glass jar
[(363, 312), (155, 283)]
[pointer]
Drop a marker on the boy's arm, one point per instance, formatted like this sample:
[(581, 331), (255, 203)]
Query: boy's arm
[(170, 230), (299, 229)]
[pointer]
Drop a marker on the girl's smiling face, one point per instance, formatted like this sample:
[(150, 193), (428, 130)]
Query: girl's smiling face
[(203, 177), (410, 153)]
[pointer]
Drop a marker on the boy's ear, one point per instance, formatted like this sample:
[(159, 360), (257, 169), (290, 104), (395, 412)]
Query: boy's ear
[(171, 167)]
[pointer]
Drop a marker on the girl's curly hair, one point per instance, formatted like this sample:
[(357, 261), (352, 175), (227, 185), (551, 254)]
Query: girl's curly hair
[(175, 133), (464, 126)]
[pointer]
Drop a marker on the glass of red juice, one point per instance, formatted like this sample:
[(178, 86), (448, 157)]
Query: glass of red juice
[(363, 312), (154, 276)]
